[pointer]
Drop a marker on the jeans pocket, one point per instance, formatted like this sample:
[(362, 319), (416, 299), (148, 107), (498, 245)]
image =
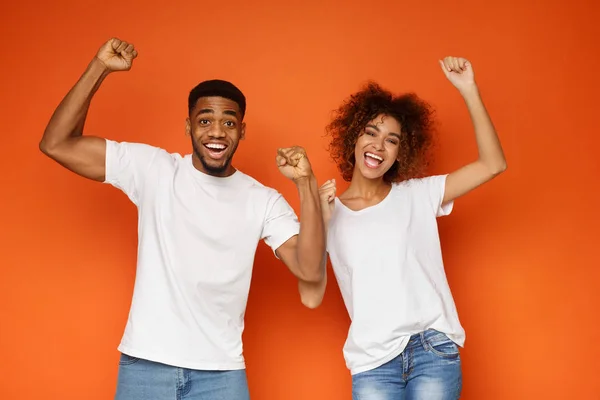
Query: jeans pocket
[(127, 360), (442, 346)]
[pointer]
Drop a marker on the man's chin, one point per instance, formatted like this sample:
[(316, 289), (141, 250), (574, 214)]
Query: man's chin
[(214, 167), (211, 166)]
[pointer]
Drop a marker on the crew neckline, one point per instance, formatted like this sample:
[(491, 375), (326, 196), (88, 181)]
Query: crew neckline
[(202, 176)]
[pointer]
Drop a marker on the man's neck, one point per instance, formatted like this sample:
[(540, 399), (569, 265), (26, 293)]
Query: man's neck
[(230, 170)]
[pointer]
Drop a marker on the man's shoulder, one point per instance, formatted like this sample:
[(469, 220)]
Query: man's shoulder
[(144, 148), (254, 184)]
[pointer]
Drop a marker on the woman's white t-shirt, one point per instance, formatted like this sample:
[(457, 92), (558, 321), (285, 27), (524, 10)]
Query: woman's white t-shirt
[(388, 263)]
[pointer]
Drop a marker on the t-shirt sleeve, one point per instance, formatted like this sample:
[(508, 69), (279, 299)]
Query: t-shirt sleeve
[(434, 188), (281, 223), (128, 165)]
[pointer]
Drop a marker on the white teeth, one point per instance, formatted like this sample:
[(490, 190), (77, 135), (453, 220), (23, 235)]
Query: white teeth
[(215, 146), (374, 156)]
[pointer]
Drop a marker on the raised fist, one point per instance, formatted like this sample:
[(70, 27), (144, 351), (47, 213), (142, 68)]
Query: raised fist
[(293, 163), (327, 195), (117, 55), (459, 72)]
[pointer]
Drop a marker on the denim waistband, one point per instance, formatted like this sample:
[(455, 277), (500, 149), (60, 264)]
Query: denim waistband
[(430, 337)]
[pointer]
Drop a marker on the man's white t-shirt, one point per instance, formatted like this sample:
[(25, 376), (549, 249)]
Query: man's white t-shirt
[(197, 237), (388, 263)]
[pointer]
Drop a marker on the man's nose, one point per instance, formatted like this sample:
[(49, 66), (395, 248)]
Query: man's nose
[(216, 131)]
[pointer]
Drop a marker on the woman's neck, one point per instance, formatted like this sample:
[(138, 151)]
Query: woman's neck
[(361, 187)]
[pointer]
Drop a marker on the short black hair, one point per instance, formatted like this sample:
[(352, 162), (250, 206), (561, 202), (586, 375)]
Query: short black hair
[(218, 88)]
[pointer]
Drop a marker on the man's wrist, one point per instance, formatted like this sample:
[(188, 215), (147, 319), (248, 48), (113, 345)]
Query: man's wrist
[(98, 67), (305, 181)]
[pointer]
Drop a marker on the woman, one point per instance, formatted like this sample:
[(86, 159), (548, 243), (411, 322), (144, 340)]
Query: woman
[(383, 241)]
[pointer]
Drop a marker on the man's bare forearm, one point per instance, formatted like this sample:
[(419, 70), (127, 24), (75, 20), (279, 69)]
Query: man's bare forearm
[(69, 117), (311, 240)]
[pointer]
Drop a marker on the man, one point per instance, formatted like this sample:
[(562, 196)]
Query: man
[(200, 221)]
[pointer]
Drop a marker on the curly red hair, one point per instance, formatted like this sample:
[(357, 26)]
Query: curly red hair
[(416, 121)]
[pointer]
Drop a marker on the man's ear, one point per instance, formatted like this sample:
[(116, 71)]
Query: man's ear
[(188, 127), (243, 131)]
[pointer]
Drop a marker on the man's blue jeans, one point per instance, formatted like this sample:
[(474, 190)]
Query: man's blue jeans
[(146, 380)]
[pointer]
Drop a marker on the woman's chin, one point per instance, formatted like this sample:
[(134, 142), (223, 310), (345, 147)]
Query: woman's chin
[(371, 173)]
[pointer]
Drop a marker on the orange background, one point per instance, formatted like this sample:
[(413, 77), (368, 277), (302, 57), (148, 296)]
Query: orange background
[(520, 253)]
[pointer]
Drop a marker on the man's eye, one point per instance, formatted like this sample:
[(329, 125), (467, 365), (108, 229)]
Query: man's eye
[(230, 124), (204, 122)]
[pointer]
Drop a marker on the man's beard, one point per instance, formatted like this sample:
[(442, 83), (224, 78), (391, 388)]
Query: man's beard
[(210, 169)]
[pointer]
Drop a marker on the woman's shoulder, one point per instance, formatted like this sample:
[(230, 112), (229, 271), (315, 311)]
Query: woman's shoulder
[(424, 180), (419, 184)]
